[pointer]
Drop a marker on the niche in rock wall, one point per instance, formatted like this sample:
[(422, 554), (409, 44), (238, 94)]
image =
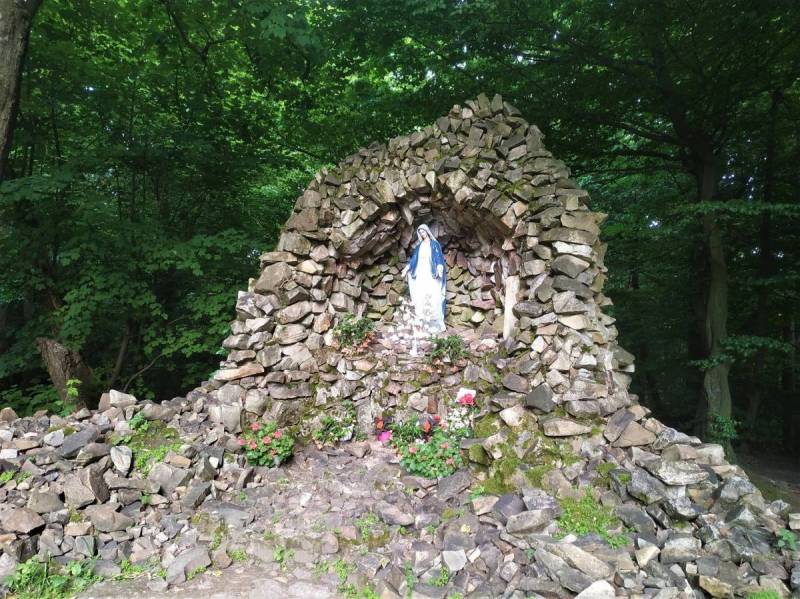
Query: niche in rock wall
[(480, 251)]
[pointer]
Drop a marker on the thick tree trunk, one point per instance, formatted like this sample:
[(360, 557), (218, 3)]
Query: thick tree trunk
[(16, 17), (716, 390), (64, 364)]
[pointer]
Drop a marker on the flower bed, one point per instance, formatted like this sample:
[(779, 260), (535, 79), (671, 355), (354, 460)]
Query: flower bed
[(266, 445)]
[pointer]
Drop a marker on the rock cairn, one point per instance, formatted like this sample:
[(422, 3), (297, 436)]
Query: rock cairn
[(525, 294)]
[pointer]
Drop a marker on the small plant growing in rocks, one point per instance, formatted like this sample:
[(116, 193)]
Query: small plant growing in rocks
[(443, 578), (450, 349), (282, 555), (352, 332), (336, 428), (764, 595), (786, 540), (585, 516), (437, 457), (266, 445)]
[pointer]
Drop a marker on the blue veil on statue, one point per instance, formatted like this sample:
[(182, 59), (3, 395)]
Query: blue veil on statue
[(427, 281)]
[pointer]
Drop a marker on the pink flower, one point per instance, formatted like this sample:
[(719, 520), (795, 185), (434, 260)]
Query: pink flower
[(468, 399), (445, 445), (255, 426), (277, 434), (242, 442), (412, 449), (252, 445), (449, 461), (384, 436), (266, 440)]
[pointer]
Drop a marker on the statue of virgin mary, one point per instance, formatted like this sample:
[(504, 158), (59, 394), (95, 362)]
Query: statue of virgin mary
[(427, 282)]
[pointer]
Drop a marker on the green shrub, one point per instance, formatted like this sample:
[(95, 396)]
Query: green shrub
[(352, 331), (25, 402), (266, 445), (764, 595), (450, 348), (723, 429)]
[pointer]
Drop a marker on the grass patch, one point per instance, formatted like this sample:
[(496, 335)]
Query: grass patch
[(237, 555), (764, 595), (50, 580), (150, 442), (586, 516)]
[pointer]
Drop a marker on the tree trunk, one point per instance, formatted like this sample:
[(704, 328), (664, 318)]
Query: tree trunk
[(16, 17), (716, 389), (64, 364)]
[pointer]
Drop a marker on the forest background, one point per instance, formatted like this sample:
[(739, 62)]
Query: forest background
[(151, 149)]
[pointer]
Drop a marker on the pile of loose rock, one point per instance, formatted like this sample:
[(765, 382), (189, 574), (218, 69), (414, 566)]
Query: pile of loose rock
[(694, 525)]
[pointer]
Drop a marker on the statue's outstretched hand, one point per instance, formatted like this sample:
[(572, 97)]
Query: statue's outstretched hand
[(439, 271)]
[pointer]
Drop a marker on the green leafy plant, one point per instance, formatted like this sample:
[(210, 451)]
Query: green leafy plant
[(408, 571), (266, 445), (437, 457), (450, 349), (585, 516), (477, 491), (139, 423), (443, 578), (337, 427), (405, 432), (29, 400), (49, 580), (365, 525), (352, 332), (238, 555), (6, 476), (192, 574), (764, 595), (282, 555), (150, 443), (786, 540), (723, 429)]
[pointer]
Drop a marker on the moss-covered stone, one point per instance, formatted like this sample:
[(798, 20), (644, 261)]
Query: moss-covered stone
[(487, 426), (478, 454)]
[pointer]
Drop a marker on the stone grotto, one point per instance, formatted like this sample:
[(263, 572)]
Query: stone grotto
[(555, 417)]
